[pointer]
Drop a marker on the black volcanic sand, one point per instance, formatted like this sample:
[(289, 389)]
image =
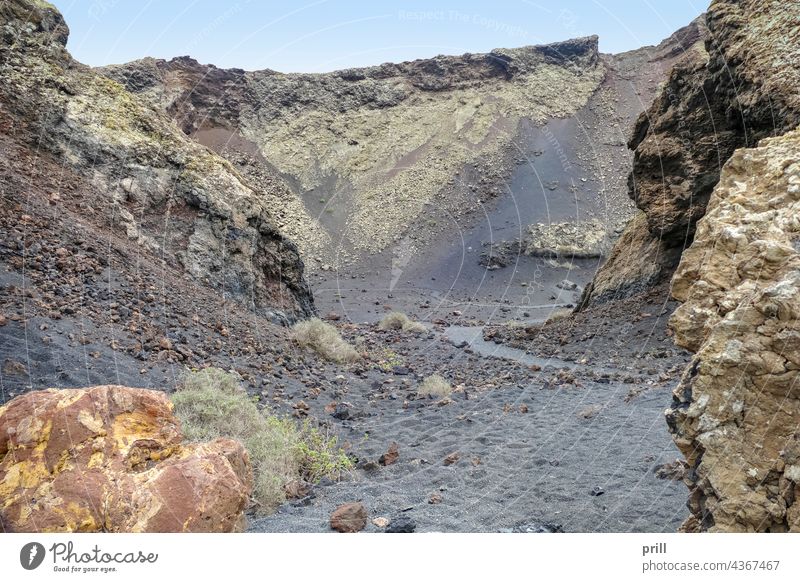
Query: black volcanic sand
[(91, 320), (533, 443)]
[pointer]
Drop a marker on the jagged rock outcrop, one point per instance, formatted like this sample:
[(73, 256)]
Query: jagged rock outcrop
[(636, 263), (739, 87), (735, 413), (368, 151), (111, 459), (144, 179)]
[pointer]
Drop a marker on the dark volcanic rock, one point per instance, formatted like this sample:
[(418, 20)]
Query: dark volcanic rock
[(401, 524)]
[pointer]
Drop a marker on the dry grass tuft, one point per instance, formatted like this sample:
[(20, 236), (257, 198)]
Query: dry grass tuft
[(324, 339), (400, 321), (436, 386)]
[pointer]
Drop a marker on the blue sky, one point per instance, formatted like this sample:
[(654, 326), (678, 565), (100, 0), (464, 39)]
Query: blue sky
[(324, 35)]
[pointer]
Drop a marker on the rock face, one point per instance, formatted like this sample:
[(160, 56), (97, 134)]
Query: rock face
[(370, 150), (110, 458), (734, 414), (143, 178), (736, 88), (636, 263)]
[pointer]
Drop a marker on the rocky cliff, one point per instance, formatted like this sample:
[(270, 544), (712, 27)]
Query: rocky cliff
[(731, 89), (734, 414), (366, 152), (132, 173), (698, 181)]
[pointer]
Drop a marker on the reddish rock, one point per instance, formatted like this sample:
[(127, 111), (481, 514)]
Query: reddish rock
[(390, 456), (349, 518), (452, 458), (110, 458)]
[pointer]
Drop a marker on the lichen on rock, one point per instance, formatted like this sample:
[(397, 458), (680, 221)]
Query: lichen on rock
[(567, 240)]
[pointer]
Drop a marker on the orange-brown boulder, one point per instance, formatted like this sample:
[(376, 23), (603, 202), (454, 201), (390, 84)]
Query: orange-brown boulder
[(111, 458), (349, 518)]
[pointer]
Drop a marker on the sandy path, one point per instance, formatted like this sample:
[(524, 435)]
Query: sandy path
[(514, 467)]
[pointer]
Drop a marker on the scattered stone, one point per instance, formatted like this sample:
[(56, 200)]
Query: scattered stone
[(435, 499), (590, 411), (14, 367), (300, 409), (297, 489), (390, 456), (567, 285), (380, 522), (368, 466), (349, 518), (452, 458), (342, 412), (401, 524), (535, 527)]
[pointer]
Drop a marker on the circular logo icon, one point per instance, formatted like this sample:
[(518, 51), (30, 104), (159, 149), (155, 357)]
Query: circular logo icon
[(31, 555)]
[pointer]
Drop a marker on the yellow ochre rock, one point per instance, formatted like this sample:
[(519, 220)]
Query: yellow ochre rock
[(111, 458)]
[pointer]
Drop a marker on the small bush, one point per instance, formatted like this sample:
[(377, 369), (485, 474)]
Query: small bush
[(434, 386), (324, 339), (319, 455), (397, 320), (389, 359), (211, 404)]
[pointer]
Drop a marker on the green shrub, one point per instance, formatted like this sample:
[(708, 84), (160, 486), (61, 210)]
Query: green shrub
[(211, 403), (397, 320), (324, 339), (319, 455), (389, 359), (436, 386)]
